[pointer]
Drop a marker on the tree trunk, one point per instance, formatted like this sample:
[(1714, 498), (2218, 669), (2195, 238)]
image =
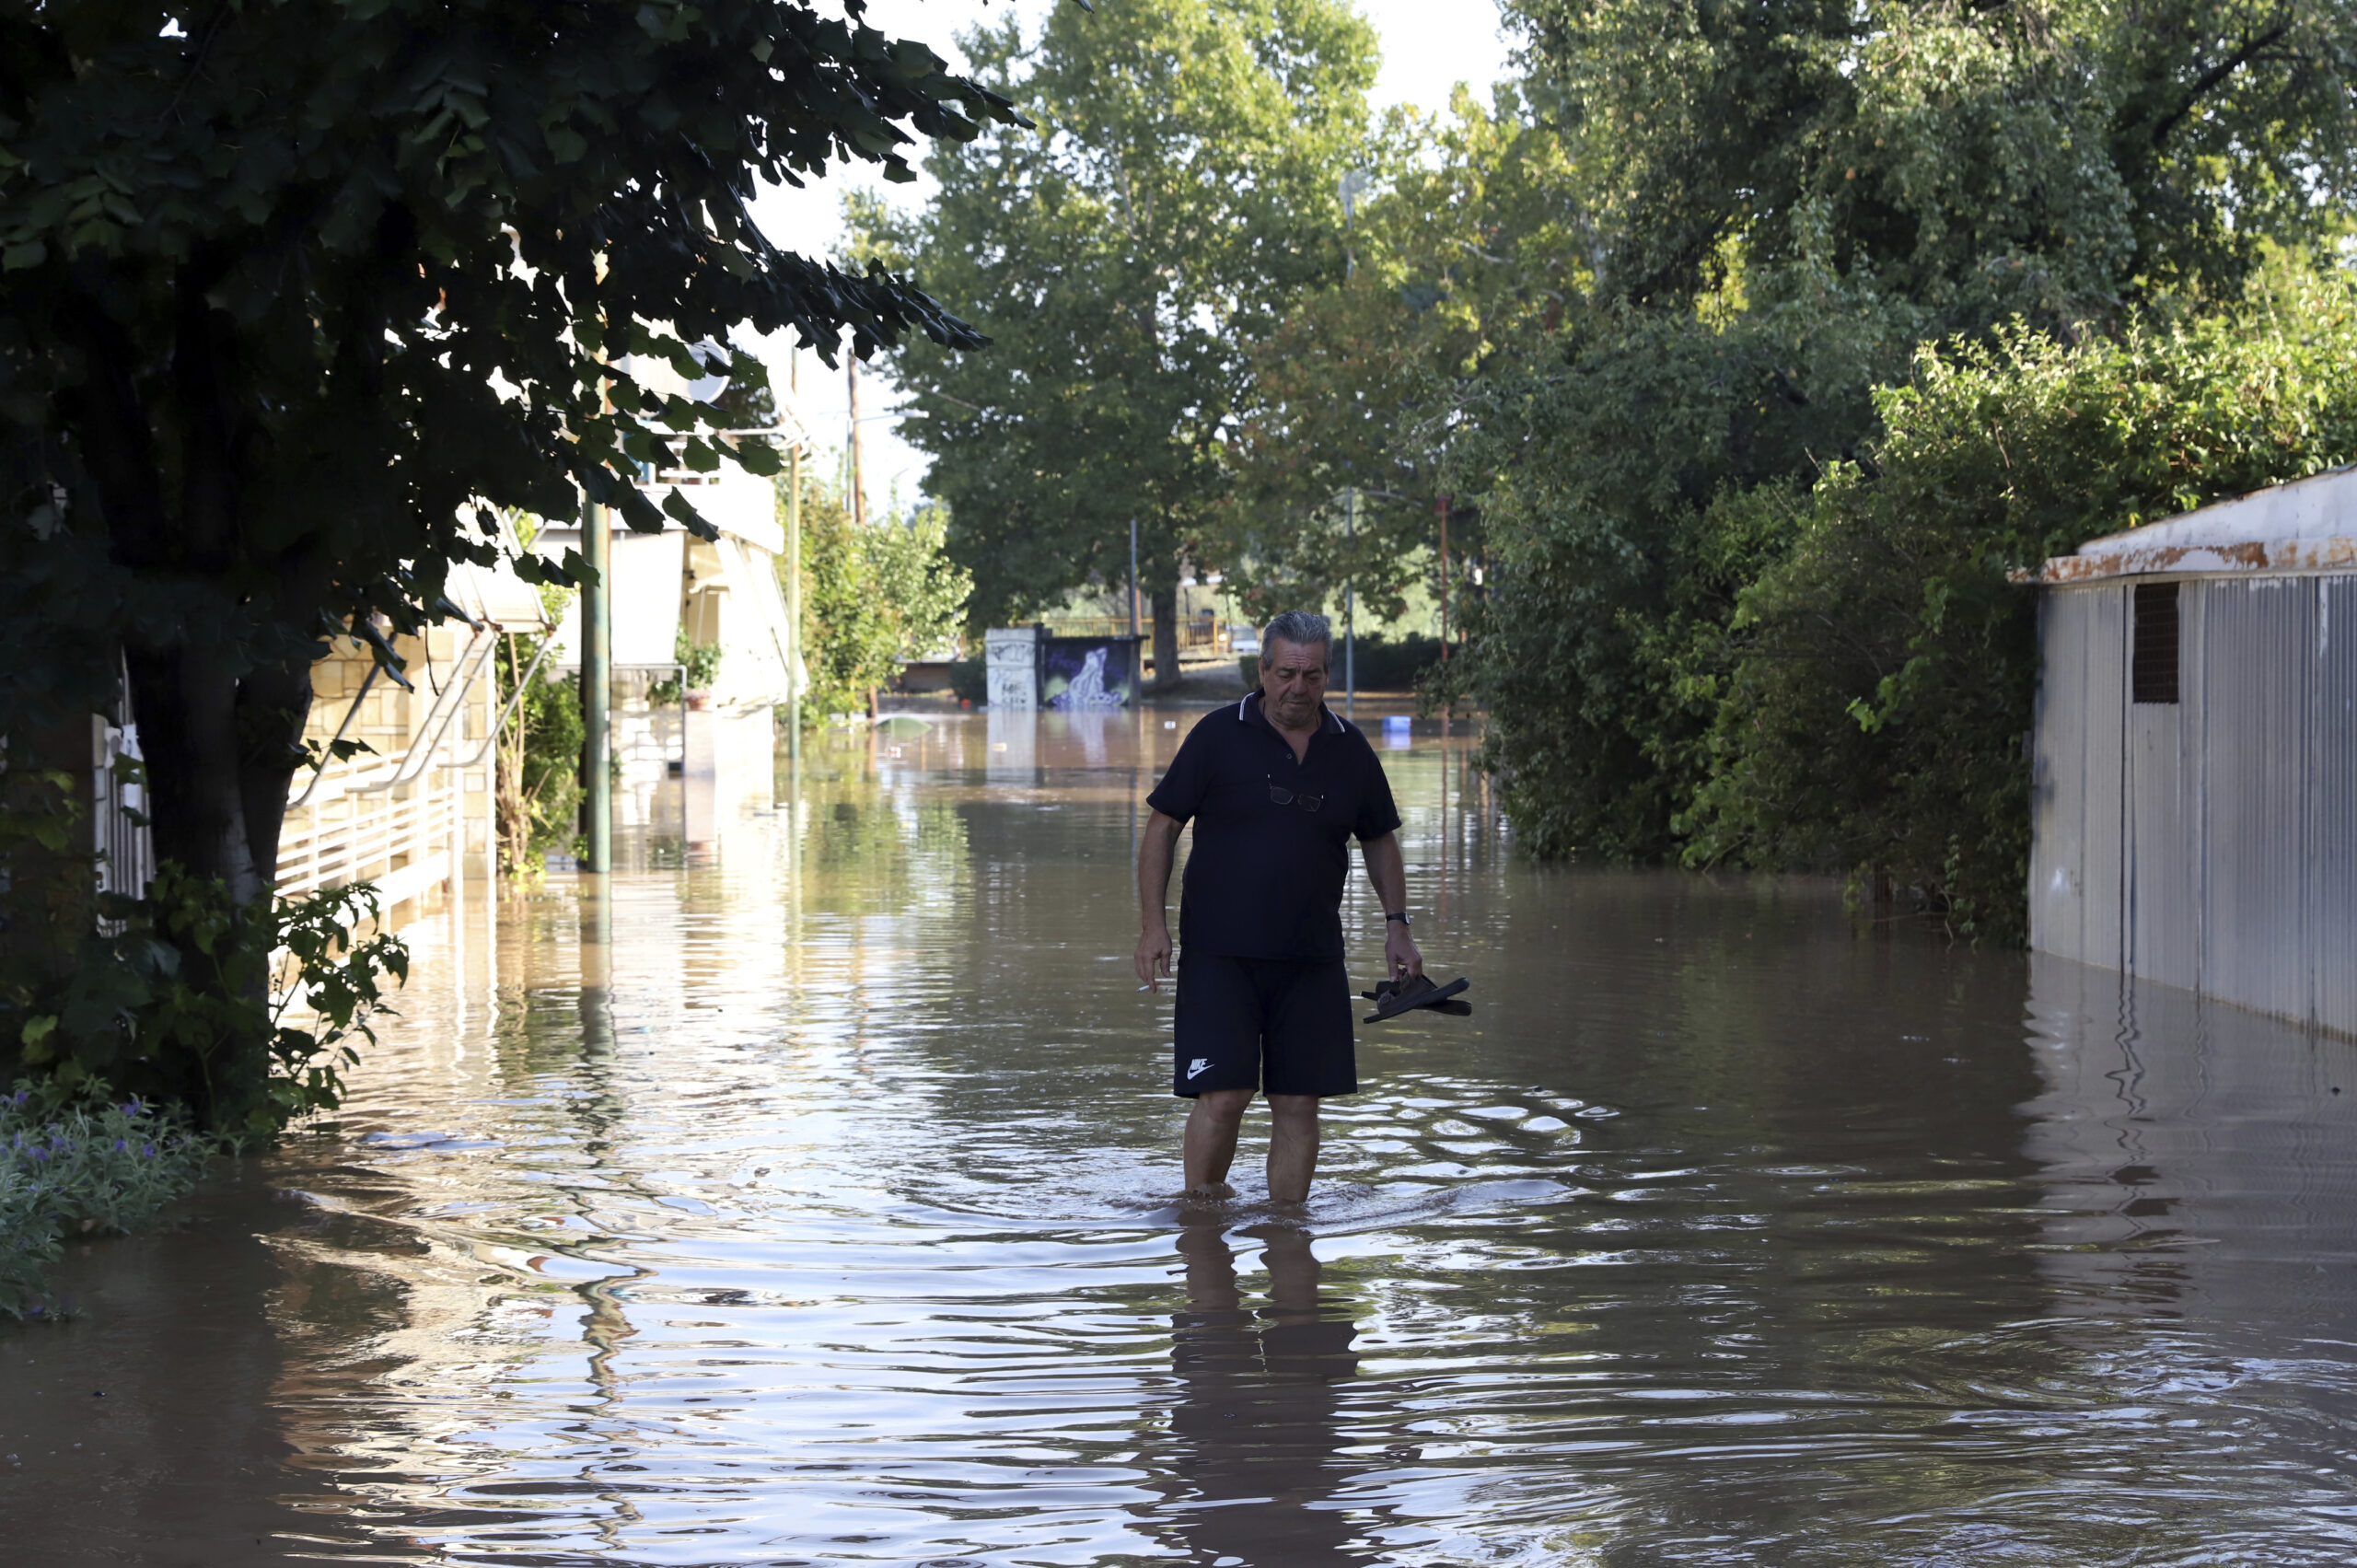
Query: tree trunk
[(218, 763), (274, 705), (185, 700), (1166, 635)]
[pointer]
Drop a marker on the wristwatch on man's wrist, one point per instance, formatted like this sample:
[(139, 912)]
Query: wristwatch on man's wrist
[(1401, 917)]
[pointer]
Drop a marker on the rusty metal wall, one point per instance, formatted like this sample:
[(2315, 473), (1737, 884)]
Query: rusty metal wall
[(2212, 843)]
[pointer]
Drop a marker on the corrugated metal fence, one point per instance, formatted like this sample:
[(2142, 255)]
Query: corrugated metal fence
[(2209, 843)]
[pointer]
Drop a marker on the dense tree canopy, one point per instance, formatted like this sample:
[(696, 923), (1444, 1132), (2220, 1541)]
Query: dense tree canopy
[(292, 298), (2051, 158), (1178, 193), (1868, 698), (1464, 248), (286, 287), (1783, 204)]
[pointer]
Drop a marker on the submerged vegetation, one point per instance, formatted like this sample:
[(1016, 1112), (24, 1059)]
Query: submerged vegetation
[(75, 1165), (242, 1016)]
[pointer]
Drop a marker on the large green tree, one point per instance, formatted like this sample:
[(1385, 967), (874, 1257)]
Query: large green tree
[(1465, 246), (1883, 669), (292, 295), (2051, 158), (286, 287), (1176, 193), (1785, 201)]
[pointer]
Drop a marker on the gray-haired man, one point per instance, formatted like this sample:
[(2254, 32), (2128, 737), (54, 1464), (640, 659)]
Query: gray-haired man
[(1276, 787)]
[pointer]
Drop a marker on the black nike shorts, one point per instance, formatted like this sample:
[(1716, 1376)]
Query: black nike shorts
[(1263, 1024)]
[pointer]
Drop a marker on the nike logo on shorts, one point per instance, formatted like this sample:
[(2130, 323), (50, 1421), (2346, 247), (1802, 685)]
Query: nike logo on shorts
[(1199, 1066)]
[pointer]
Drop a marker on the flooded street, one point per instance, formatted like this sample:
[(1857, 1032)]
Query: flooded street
[(808, 1199)]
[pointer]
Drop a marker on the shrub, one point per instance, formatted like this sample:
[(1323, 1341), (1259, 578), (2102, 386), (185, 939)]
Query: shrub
[(1883, 670), (1387, 664), (81, 1165), (189, 1003)]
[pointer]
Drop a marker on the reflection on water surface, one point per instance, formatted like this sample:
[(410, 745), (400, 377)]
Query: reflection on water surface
[(805, 1200)]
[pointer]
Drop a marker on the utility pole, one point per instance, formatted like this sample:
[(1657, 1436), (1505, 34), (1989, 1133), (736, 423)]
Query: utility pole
[(793, 574), (1441, 505), (1137, 663), (858, 468), (597, 689)]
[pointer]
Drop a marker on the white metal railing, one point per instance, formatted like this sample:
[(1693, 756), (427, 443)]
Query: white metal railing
[(395, 820), (371, 839)]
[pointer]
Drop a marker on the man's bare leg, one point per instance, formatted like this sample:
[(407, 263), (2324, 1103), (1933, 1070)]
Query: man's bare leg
[(1211, 1127), (1292, 1147)]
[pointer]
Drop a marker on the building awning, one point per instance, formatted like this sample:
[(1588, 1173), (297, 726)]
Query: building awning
[(646, 569), (498, 595), (2305, 527)]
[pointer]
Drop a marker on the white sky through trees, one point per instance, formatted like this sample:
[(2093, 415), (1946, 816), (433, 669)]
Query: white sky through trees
[(1428, 47)]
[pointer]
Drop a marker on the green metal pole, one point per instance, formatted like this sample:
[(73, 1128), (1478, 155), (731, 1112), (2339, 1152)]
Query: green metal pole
[(597, 692)]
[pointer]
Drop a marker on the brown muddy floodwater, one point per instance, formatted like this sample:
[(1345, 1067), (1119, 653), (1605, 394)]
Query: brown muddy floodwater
[(807, 1200)]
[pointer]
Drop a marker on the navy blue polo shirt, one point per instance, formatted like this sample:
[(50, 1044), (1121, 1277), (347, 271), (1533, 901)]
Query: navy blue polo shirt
[(1265, 880)]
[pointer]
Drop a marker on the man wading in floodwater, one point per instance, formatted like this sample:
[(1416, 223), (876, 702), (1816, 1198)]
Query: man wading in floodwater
[(1276, 787)]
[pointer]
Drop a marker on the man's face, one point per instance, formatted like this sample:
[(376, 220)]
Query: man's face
[(1293, 681)]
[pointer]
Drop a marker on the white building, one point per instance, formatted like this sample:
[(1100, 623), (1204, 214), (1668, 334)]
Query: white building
[(672, 589), (2195, 798)]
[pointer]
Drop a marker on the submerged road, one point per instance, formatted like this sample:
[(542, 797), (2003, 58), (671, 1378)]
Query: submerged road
[(807, 1199)]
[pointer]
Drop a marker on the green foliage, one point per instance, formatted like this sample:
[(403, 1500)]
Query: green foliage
[(2051, 160), (1602, 577), (699, 664), (536, 787), (1178, 193), (75, 1165), (1721, 620), (1881, 669), (291, 297), (546, 809), (1465, 246), (1388, 663), (870, 598), (190, 1003)]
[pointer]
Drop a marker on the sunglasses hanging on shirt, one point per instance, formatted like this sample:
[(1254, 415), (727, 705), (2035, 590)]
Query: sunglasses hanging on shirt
[(1283, 797)]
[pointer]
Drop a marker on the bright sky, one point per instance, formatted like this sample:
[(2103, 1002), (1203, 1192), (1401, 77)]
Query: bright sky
[(1428, 47)]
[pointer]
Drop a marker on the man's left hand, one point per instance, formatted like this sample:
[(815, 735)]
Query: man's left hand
[(1399, 952)]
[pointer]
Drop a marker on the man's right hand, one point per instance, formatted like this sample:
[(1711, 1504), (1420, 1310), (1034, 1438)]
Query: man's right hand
[(1152, 959)]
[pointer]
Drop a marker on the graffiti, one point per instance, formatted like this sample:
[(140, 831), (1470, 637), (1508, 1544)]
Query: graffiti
[(1084, 674)]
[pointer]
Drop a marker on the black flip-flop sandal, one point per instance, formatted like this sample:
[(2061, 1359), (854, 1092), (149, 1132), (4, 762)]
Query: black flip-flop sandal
[(1393, 997)]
